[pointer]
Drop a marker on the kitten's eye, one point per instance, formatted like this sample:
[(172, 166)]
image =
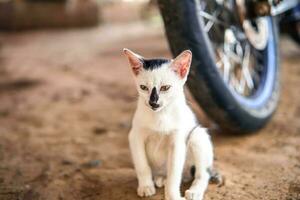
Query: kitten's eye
[(143, 87), (165, 88)]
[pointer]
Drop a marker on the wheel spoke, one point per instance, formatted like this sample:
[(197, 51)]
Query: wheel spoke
[(209, 17), (210, 23), (212, 19), (224, 62), (245, 68), (208, 26), (241, 86), (234, 53), (226, 69), (219, 64)]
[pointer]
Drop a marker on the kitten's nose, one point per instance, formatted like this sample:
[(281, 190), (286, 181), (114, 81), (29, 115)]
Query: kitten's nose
[(153, 99), (153, 96)]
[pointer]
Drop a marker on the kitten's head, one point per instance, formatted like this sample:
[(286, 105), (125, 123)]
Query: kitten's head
[(159, 81)]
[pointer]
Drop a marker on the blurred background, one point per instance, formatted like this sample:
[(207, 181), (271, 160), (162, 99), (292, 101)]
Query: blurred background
[(67, 99)]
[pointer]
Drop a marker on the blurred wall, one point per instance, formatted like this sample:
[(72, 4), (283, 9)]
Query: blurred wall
[(28, 14)]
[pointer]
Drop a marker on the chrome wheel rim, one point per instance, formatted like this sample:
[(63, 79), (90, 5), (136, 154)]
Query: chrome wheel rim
[(238, 48)]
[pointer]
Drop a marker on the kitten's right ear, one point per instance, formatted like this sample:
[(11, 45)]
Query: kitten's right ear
[(135, 61)]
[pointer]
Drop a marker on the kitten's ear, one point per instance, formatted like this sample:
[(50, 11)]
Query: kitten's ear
[(134, 60), (181, 64)]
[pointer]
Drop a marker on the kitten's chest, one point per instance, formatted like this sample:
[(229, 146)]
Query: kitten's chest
[(162, 124), (157, 151)]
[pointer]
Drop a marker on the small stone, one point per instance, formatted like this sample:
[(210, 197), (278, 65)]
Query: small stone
[(4, 113), (91, 164), (27, 187), (66, 162), (125, 125), (85, 92), (99, 130)]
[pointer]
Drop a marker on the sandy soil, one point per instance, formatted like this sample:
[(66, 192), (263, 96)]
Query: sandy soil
[(67, 99)]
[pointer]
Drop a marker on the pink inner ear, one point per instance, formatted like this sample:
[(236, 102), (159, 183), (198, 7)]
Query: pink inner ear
[(135, 64), (136, 70), (182, 72), (182, 64), (134, 61)]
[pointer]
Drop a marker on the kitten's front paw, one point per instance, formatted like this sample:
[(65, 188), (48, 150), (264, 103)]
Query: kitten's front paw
[(146, 191), (178, 198), (193, 195)]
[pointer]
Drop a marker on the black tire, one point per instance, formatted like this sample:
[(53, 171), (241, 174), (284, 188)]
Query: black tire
[(295, 31), (290, 23), (184, 30)]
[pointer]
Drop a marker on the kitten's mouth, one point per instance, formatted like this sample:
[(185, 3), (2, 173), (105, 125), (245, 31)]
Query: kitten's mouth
[(154, 106), (154, 109)]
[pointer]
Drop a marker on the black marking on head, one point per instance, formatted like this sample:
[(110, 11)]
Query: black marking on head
[(153, 96), (151, 64)]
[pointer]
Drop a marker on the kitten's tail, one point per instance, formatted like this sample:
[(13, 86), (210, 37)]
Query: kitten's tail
[(215, 176)]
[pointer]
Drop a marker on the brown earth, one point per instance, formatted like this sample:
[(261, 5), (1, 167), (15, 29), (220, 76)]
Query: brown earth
[(67, 98)]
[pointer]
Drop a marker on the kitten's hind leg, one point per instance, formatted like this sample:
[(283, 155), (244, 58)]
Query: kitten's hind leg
[(202, 154)]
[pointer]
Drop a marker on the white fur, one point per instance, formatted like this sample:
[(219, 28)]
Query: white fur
[(161, 154)]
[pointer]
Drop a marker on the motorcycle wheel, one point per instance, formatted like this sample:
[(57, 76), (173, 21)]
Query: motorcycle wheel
[(234, 76)]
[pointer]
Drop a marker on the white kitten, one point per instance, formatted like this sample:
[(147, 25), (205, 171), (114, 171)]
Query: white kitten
[(166, 139)]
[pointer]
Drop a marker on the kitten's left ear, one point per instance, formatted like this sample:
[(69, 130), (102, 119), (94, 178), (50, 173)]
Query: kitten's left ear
[(181, 64)]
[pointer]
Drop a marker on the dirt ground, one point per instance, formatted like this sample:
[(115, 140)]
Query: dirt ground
[(66, 102)]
